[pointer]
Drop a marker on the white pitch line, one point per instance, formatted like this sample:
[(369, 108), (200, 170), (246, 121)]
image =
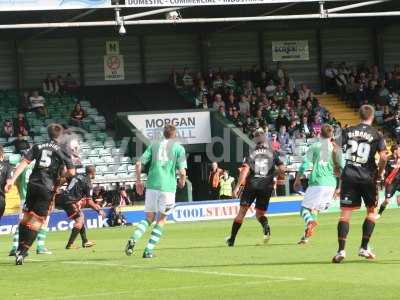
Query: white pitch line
[(169, 289), (181, 270)]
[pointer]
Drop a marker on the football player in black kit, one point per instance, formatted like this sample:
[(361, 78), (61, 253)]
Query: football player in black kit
[(392, 181), (50, 159), (257, 176), (5, 176), (359, 179), (77, 196)]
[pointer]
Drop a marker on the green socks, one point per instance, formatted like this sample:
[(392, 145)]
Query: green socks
[(155, 237), (41, 238), (307, 215), (140, 230)]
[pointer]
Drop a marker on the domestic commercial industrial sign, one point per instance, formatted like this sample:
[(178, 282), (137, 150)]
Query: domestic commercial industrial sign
[(24, 5), (192, 127), (290, 50)]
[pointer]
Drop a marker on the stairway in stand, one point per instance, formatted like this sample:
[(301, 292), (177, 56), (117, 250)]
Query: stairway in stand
[(339, 110)]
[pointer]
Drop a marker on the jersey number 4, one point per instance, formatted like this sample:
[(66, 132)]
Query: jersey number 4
[(358, 152), (45, 159)]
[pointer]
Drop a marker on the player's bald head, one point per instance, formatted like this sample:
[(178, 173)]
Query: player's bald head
[(55, 131), (90, 170), (1, 152)]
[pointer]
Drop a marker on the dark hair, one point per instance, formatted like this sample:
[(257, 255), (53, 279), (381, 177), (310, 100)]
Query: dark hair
[(90, 169), (169, 131), (55, 131), (366, 112)]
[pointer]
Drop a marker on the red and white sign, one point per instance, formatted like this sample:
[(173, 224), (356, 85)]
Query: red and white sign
[(114, 67)]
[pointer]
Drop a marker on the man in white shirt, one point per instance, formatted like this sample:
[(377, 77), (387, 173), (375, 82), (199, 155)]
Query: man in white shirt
[(37, 103)]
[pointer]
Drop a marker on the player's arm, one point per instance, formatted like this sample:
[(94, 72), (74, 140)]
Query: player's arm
[(303, 168), (182, 166), (244, 172), (29, 156), (93, 205), (383, 157), (144, 159)]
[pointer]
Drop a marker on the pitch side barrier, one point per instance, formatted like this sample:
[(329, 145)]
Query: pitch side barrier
[(184, 212)]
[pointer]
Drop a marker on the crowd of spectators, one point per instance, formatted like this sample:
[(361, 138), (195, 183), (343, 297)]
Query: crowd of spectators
[(254, 100), (364, 84)]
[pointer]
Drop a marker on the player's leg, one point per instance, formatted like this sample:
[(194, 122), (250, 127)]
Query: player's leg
[(343, 229), (22, 187), (370, 197), (41, 238), (390, 190), (37, 203), (237, 223), (79, 220), (166, 204), (246, 199), (307, 212), (151, 207), (262, 202), (350, 199)]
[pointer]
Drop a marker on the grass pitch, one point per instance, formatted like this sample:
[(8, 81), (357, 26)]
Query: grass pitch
[(193, 263)]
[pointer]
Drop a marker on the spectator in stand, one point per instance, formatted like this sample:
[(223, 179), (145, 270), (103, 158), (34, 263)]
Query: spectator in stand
[(38, 104), (226, 183), (231, 84), (244, 105), (20, 144), (316, 126), (232, 103), (237, 119), (276, 146), (187, 79), (123, 197), (270, 88), (218, 102), (218, 83), (77, 115), (21, 125), (24, 104), (213, 181), (61, 84), (222, 111), (304, 92), (71, 85), (204, 103), (282, 120), (330, 77), (173, 77), (304, 127), (8, 129), (50, 85), (283, 137)]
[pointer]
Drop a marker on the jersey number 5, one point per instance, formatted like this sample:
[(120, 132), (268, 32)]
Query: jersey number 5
[(45, 159)]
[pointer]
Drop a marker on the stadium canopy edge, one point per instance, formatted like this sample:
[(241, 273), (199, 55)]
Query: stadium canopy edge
[(37, 5)]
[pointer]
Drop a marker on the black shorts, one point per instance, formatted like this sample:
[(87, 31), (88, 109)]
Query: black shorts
[(38, 200), (71, 208), (260, 195), (2, 206), (353, 193)]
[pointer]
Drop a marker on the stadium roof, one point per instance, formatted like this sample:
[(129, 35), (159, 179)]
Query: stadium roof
[(271, 10)]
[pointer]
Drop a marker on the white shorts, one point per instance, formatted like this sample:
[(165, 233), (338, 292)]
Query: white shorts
[(318, 197), (159, 202)]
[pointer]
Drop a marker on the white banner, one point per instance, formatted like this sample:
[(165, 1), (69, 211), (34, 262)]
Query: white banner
[(114, 67), (192, 127), (24, 5), (290, 50), (21, 5)]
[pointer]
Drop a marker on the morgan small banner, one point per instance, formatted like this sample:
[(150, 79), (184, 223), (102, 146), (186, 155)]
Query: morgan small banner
[(290, 50), (114, 67)]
